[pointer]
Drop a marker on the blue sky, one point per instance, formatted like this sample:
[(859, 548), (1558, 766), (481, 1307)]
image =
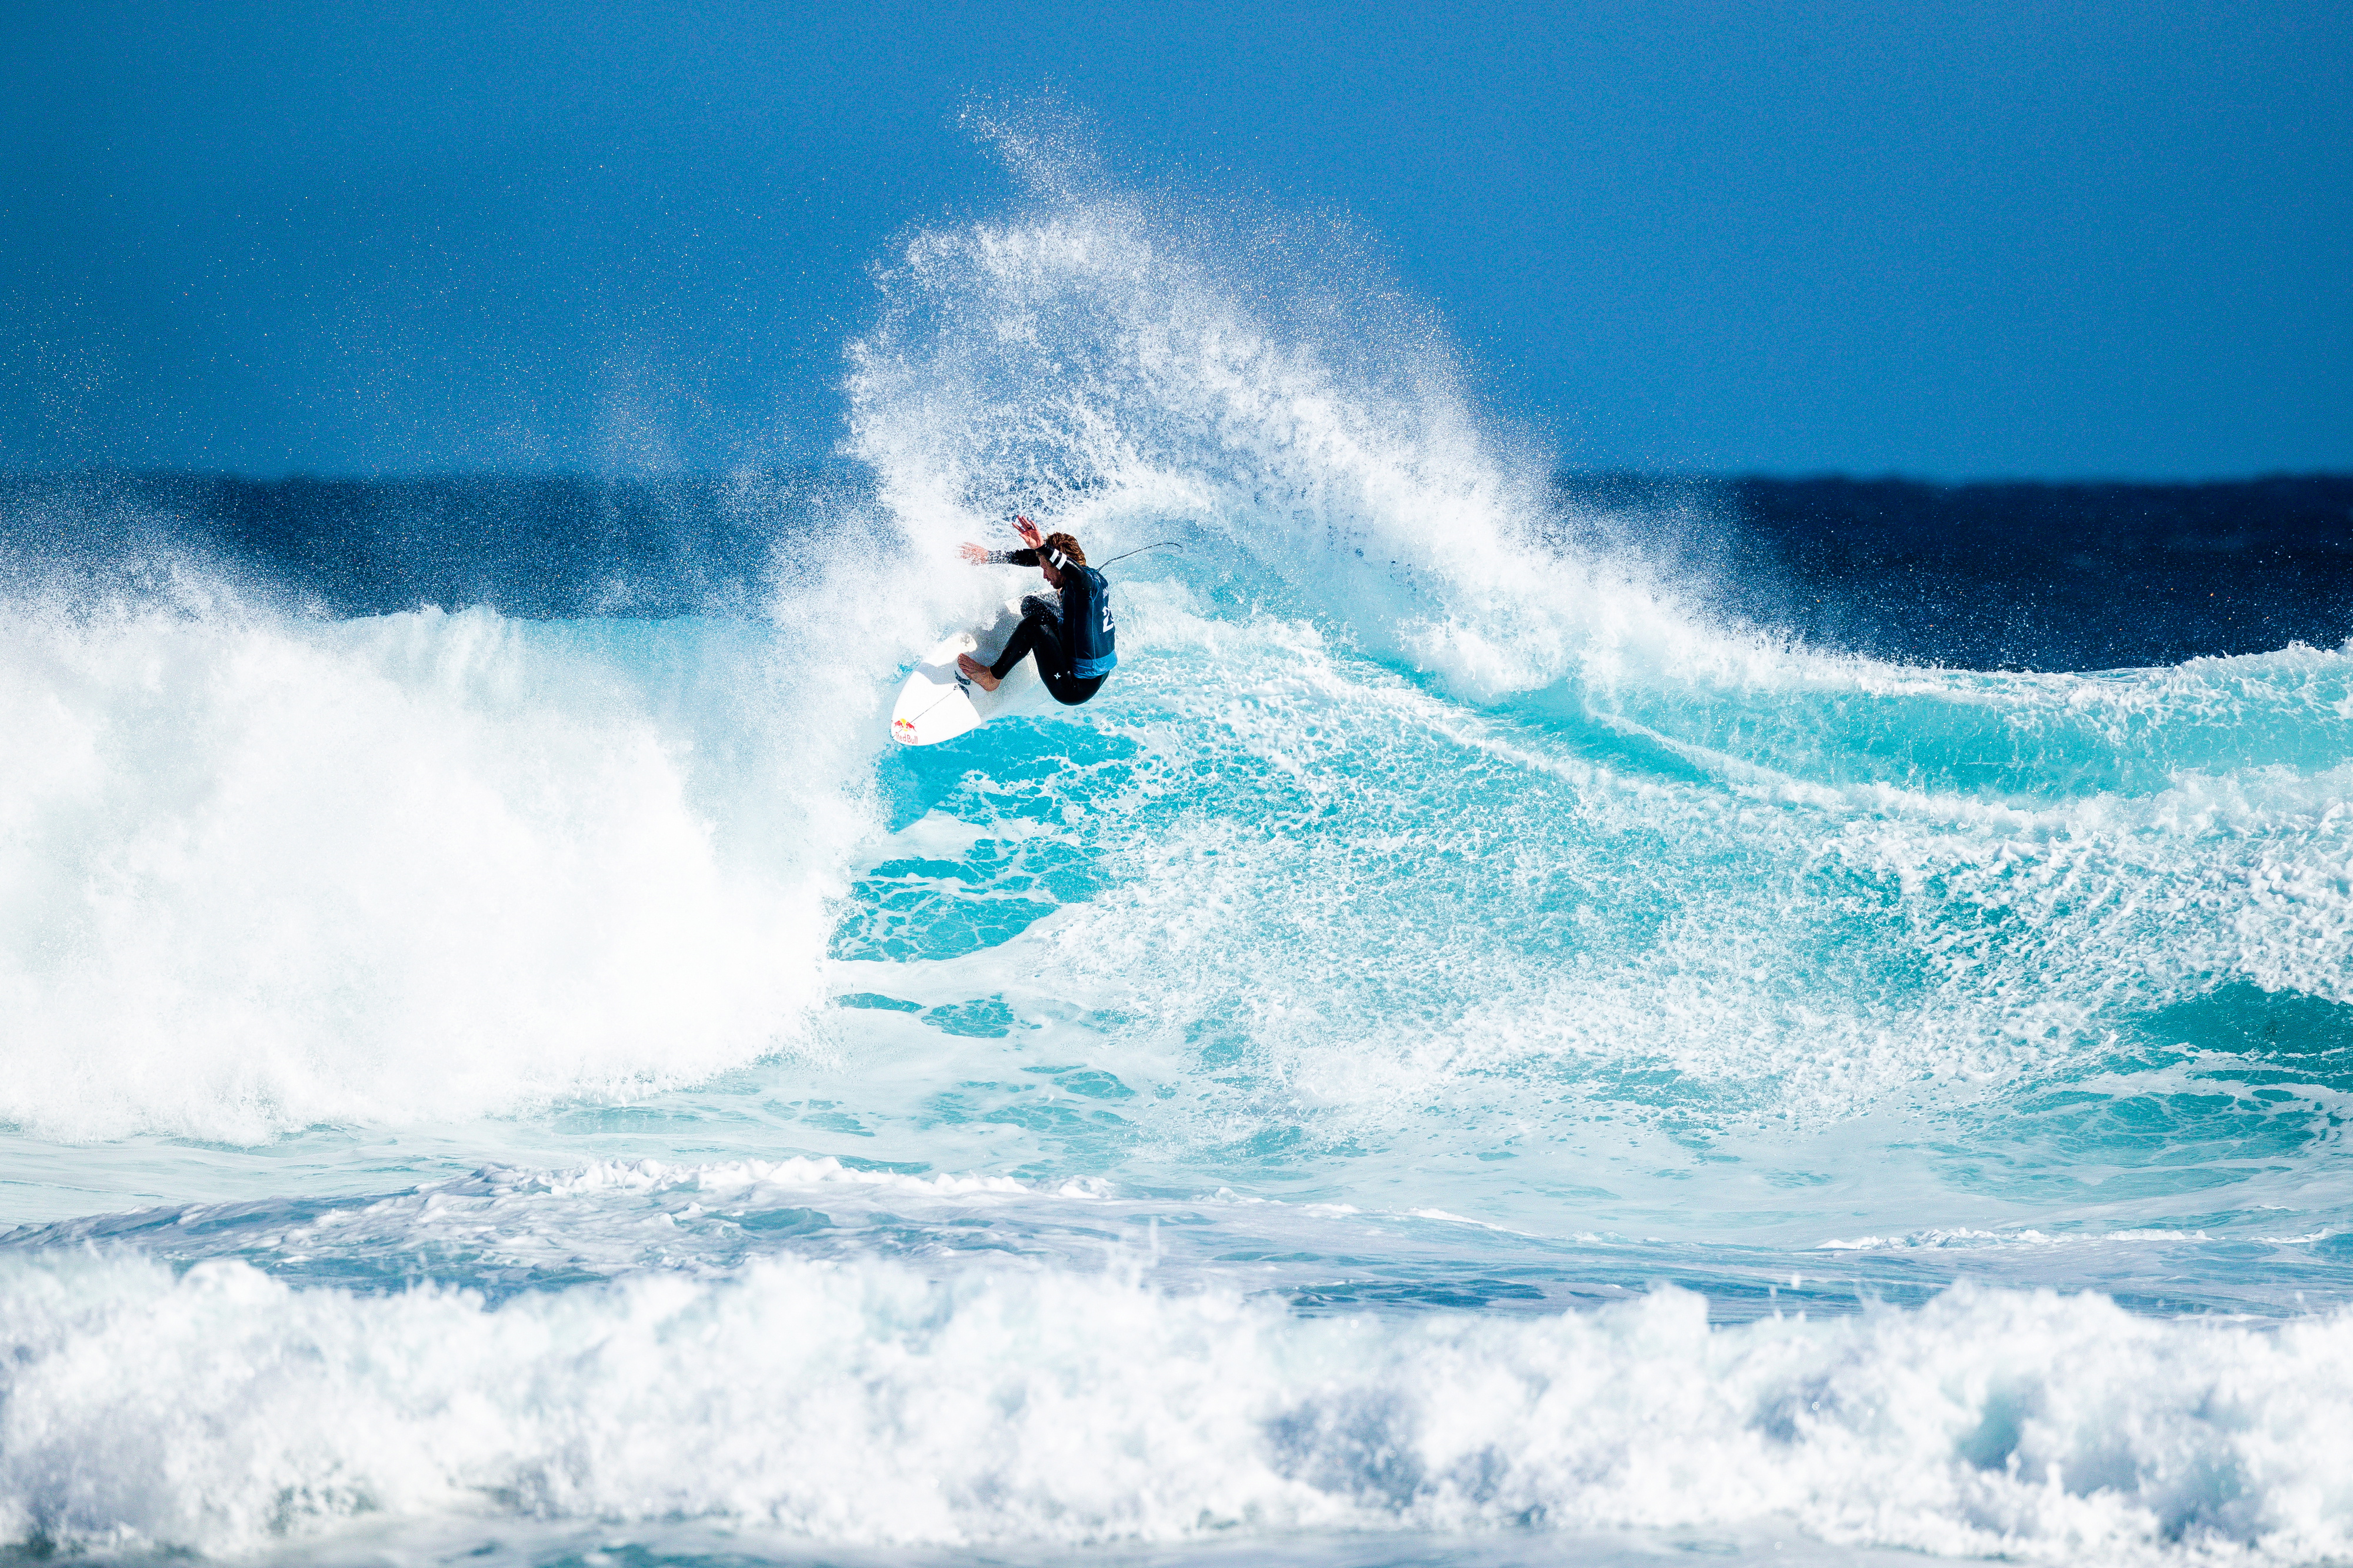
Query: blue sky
[(1950, 240)]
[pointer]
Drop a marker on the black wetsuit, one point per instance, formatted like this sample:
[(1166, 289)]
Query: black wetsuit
[(1076, 649)]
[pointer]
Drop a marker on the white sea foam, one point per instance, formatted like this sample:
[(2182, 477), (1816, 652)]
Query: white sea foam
[(733, 1178), (258, 872), (222, 1412), (1964, 1239)]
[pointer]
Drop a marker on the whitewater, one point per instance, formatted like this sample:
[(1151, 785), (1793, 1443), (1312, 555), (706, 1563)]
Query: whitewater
[(1464, 1054)]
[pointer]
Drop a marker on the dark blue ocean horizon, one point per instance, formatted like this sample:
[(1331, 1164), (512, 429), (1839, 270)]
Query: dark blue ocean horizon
[(1992, 575)]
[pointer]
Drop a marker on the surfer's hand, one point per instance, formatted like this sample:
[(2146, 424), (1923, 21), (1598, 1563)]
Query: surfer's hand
[(1029, 532), (976, 554)]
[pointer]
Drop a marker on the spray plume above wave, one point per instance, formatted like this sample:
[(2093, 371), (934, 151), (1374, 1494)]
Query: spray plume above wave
[(1695, 824), (1445, 913)]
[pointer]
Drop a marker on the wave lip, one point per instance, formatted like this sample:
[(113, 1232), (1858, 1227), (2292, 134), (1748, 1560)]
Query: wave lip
[(220, 1412)]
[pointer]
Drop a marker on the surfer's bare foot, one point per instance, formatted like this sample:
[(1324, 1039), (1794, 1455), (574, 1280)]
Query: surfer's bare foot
[(973, 669)]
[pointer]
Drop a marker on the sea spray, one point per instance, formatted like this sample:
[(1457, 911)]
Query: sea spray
[(269, 871)]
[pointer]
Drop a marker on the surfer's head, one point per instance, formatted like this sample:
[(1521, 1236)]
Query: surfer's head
[(1058, 553)]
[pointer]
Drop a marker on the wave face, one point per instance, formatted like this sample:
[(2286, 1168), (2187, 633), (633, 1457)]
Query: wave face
[(1469, 1039)]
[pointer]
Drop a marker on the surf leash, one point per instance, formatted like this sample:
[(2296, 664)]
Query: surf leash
[(1164, 544)]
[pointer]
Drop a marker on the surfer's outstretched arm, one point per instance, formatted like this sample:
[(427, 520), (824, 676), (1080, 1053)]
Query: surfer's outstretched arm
[(981, 555)]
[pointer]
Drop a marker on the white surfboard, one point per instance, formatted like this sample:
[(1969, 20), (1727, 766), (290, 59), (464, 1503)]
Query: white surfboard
[(939, 703)]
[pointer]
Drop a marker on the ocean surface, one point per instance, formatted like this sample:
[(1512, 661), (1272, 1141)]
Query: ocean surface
[(1538, 1018)]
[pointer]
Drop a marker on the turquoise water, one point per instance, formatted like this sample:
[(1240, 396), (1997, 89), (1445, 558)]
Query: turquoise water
[(1459, 1056)]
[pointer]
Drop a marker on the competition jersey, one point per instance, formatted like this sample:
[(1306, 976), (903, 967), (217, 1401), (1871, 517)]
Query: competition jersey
[(1088, 634)]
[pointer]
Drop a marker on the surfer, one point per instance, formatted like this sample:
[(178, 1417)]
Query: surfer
[(1074, 648)]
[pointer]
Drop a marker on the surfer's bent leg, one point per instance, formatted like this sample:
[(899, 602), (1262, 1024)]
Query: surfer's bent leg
[(1037, 633), (1040, 634)]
